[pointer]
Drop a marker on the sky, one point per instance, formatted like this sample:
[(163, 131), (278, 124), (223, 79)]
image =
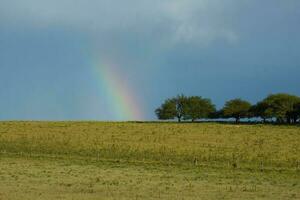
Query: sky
[(119, 60)]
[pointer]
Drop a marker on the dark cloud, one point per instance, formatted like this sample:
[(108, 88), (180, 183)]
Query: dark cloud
[(214, 48)]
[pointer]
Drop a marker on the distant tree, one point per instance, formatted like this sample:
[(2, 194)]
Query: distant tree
[(236, 108), (198, 108), (296, 112), (173, 108), (262, 110), (216, 115), (167, 110), (181, 106), (282, 106)]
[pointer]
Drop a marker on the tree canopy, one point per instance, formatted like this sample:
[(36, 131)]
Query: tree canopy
[(182, 107), (167, 110), (281, 106), (262, 110), (296, 112), (199, 108), (236, 108), (173, 108), (285, 108)]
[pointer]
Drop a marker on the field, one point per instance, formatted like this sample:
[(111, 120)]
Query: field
[(101, 160)]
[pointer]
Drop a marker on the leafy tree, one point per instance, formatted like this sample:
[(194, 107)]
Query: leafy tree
[(167, 110), (296, 112), (173, 108), (236, 108), (262, 110), (281, 106), (216, 115), (198, 108), (294, 115), (181, 106)]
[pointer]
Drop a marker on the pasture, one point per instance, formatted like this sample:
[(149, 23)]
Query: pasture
[(110, 160)]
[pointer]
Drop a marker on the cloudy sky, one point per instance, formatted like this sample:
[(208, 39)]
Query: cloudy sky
[(118, 60)]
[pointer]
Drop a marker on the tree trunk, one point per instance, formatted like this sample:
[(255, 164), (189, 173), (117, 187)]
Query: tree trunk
[(288, 120), (279, 120), (295, 119), (237, 120)]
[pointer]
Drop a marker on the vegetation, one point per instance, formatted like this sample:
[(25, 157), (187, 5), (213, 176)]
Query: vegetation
[(199, 108), (173, 108), (296, 112), (236, 108), (92, 160), (182, 107), (284, 108), (261, 109), (281, 107)]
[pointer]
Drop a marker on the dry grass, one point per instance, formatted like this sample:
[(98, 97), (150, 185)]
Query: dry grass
[(275, 146), (32, 178), (89, 160)]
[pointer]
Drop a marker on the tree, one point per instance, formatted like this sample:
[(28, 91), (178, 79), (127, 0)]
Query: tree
[(173, 108), (236, 108), (167, 110), (296, 112), (282, 106), (216, 115), (198, 108), (181, 106), (262, 110)]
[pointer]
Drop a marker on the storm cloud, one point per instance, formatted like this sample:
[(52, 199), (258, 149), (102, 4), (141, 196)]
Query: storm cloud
[(220, 49)]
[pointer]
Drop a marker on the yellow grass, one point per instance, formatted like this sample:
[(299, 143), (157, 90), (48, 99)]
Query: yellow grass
[(99, 160)]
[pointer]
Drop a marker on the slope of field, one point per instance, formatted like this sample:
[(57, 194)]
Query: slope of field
[(97, 160)]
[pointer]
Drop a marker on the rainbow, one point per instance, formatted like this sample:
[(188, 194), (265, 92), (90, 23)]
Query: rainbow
[(122, 102)]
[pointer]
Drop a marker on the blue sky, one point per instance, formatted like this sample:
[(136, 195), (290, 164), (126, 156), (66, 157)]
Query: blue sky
[(212, 48)]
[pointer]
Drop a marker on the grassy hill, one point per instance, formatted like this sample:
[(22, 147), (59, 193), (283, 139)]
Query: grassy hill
[(98, 160)]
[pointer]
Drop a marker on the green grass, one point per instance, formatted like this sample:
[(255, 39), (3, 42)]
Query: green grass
[(98, 160)]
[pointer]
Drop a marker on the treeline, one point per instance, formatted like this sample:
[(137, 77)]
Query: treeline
[(280, 108)]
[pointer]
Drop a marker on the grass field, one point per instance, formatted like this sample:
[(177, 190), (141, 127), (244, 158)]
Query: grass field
[(98, 160)]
